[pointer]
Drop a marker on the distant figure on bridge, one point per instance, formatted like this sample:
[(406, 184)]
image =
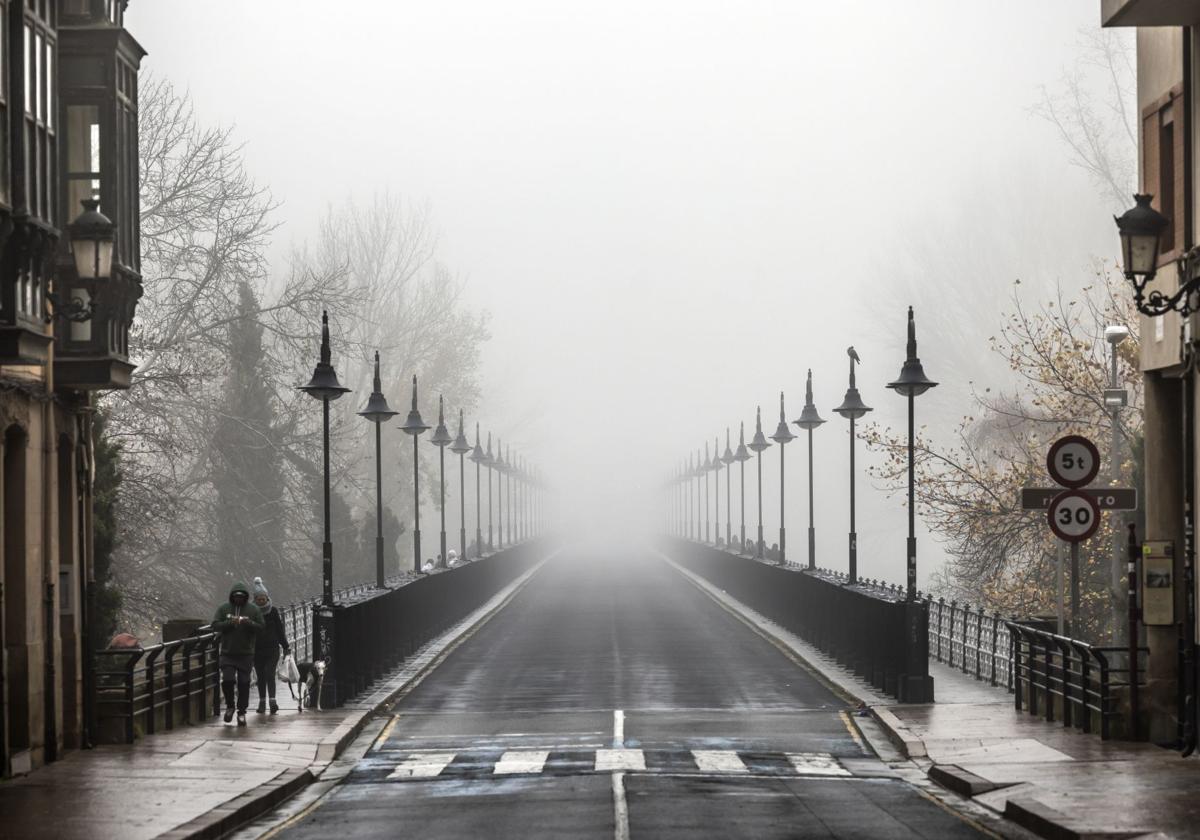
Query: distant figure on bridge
[(267, 644), (238, 621)]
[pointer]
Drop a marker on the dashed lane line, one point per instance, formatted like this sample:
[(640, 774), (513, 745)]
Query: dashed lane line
[(719, 761), (422, 766), (521, 761), (611, 760)]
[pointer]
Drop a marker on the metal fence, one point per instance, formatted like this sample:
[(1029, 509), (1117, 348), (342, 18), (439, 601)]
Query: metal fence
[(157, 688)]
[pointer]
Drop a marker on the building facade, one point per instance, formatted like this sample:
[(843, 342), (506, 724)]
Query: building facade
[(1167, 61), (69, 284)]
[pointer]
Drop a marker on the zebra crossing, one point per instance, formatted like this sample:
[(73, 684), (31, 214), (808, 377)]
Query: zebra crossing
[(476, 764)]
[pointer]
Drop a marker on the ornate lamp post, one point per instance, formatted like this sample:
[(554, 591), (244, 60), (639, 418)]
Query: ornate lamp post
[(688, 473), (705, 469), (742, 455), (783, 435), (499, 466), (490, 463), (809, 420), (479, 458), (414, 426), (912, 383), (699, 473), (324, 386), (378, 412), (441, 439), (727, 459), (460, 447), (716, 467), (852, 408), (759, 445), (509, 469)]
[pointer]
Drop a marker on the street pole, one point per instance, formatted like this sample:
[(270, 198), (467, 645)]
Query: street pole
[(500, 465), (1115, 398), (460, 447), (727, 459), (489, 463), (478, 457), (325, 387), (810, 420), (716, 462), (912, 383), (783, 436), (852, 408), (742, 455), (706, 467), (758, 444), (441, 439)]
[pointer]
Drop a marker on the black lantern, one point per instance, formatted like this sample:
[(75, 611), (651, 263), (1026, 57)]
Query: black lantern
[(1141, 229)]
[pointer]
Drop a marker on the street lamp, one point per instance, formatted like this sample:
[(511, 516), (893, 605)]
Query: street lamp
[(479, 458), (460, 447), (759, 444), (441, 439), (699, 496), (687, 504), (911, 384), (727, 459), (809, 420), (783, 435), (500, 467), (324, 386), (705, 469), (414, 426), (1141, 229), (490, 463), (716, 467), (509, 469), (852, 408), (1115, 399), (378, 412), (742, 456)]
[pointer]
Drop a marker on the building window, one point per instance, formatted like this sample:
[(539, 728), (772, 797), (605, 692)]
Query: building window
[(40, 104), (1162, 168), (83, 157)]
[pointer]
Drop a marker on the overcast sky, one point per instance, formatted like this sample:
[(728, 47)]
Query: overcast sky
[(671, 210)]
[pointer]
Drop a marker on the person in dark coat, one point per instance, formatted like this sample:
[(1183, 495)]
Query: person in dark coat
[(238, 621), (267, 645)]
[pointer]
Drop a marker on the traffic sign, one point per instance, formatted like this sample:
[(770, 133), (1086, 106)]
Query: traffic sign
[(1073, 461), (1107, 498), (1074, 516)]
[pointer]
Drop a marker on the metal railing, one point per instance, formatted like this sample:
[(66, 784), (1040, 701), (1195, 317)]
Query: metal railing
[(157, 688), (1078, 683)]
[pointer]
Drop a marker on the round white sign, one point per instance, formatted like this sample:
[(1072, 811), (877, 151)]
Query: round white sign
[(1073, 461), (1074, 516)]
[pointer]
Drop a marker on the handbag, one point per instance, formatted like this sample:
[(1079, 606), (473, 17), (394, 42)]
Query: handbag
[(287, 670)]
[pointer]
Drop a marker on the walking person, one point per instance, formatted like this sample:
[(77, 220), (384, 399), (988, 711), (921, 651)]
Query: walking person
[(238, 621), (267, 645)]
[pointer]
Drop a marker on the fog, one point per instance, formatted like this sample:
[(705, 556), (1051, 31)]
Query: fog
[(672, 210)]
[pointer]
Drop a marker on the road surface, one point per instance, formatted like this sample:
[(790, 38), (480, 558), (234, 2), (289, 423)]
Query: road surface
[(612, 698)]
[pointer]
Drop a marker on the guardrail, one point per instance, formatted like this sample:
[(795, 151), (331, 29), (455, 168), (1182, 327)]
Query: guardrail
[(879, 634), (1079, 683), (157, 688)]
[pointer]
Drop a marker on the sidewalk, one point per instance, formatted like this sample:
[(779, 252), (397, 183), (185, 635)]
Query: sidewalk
[(1054, 781), (202, 781)]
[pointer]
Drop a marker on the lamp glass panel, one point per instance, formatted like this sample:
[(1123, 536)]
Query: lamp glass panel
[(1141, 253)]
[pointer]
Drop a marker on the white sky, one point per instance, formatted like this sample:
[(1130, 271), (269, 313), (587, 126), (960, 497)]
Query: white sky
[(671, 209)]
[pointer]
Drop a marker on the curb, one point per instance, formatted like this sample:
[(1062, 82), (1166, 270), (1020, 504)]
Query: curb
[(1054, 825), (254, 803), (242, 809)]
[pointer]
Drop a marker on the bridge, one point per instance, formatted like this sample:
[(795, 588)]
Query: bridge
[(676, 688)]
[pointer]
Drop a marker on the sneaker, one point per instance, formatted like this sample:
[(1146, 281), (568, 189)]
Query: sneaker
[(229, 714), (241, 718), (262, 706), (274, 707)]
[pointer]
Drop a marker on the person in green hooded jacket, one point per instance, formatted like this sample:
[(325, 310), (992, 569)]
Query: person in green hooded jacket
[(238, 621)]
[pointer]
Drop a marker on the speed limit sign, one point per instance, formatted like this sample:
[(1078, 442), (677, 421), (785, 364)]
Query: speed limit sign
[(1074, 516), (1073, 461)]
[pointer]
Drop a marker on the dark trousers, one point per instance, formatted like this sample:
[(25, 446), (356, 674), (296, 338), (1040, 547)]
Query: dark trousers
[(265, 663), (235, 669)]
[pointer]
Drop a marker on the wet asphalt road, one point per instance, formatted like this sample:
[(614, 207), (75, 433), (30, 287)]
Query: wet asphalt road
[(611, 698)]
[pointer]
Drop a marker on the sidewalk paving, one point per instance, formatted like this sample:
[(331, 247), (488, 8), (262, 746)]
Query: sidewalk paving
[(1055, 781), (201, 781)]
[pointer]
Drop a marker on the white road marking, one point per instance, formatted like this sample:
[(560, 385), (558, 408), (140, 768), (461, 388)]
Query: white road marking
[(422, 766), (521, 761), (620, 808), (611, 760), (618, 729), (816, 764), (719, 761)]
